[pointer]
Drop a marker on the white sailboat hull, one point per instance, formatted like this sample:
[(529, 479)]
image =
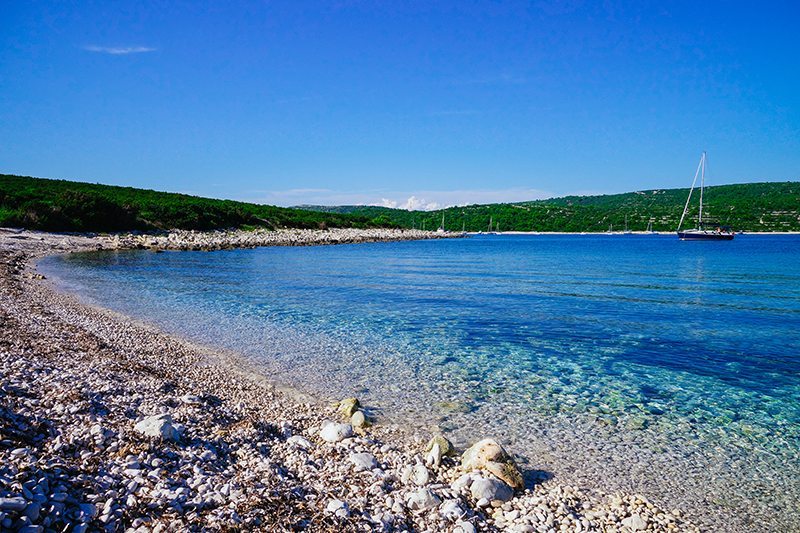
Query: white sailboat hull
[(705, 235)]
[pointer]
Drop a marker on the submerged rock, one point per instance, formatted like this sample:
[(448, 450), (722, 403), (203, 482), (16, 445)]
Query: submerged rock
[(636, 423), (490, 456), (453, 407), (158, 426)]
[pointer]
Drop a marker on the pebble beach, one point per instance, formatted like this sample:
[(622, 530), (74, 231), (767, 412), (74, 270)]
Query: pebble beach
[(108, 424)]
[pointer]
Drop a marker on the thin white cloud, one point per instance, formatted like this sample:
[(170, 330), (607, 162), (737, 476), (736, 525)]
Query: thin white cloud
[(119, 50)]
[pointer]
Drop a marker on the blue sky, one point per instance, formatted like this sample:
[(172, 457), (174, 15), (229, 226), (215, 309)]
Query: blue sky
[(370, 102)]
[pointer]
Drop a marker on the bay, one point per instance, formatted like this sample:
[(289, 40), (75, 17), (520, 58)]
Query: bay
[(625, 362)]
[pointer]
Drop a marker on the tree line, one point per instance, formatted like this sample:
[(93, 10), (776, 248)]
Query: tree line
[(60, 205), (770, 206)]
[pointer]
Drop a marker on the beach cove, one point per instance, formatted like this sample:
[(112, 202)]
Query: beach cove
[(200, 373)]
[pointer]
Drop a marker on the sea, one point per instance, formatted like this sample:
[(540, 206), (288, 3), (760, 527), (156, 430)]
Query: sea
[(635, 363)]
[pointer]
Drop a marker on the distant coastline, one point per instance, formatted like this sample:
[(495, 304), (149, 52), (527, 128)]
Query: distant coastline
[(60, 205)]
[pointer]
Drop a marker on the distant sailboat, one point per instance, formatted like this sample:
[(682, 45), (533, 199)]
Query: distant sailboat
[(627, 231), (650, 229), (440, 229), (719, 233)]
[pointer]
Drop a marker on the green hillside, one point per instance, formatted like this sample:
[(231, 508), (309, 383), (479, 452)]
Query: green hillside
[(59, 205), (772, 206)]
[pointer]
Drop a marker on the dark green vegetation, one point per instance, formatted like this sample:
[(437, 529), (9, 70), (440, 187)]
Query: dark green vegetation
[(58, 205), (771, 206)]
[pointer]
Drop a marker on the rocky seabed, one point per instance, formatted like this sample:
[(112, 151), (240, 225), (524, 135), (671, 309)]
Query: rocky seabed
[(110, 425)]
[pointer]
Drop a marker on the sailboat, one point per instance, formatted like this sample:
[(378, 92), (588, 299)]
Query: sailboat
[(440, 229), (700, 233), (490, 232), (627, 231), (649, 230)]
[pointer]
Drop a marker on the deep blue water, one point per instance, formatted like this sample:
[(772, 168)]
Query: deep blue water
[(690, 339)]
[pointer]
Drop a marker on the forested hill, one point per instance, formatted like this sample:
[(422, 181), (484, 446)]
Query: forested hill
[(772, 206), (59, 205)]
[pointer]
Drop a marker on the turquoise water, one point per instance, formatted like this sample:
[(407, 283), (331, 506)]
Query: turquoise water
[(635, 362)]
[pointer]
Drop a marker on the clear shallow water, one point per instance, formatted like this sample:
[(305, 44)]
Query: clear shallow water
[(638, 363)]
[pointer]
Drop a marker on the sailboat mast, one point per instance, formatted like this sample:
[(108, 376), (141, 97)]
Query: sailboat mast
[(702, 186), (689, 198)]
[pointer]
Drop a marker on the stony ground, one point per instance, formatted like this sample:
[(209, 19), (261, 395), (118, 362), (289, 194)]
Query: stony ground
[(217, 240), (106, 424)]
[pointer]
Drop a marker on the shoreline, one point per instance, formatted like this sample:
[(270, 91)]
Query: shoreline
[(190, 240), (249, 456)]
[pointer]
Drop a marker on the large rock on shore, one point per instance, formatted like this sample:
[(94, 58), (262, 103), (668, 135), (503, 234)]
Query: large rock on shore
[(363, 461), (333, 432), (635, 523), (348, 407), (437, 448), (488, 455), (338, 508), (491, 489), (359, 421), (158, 426), (423, 499)]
